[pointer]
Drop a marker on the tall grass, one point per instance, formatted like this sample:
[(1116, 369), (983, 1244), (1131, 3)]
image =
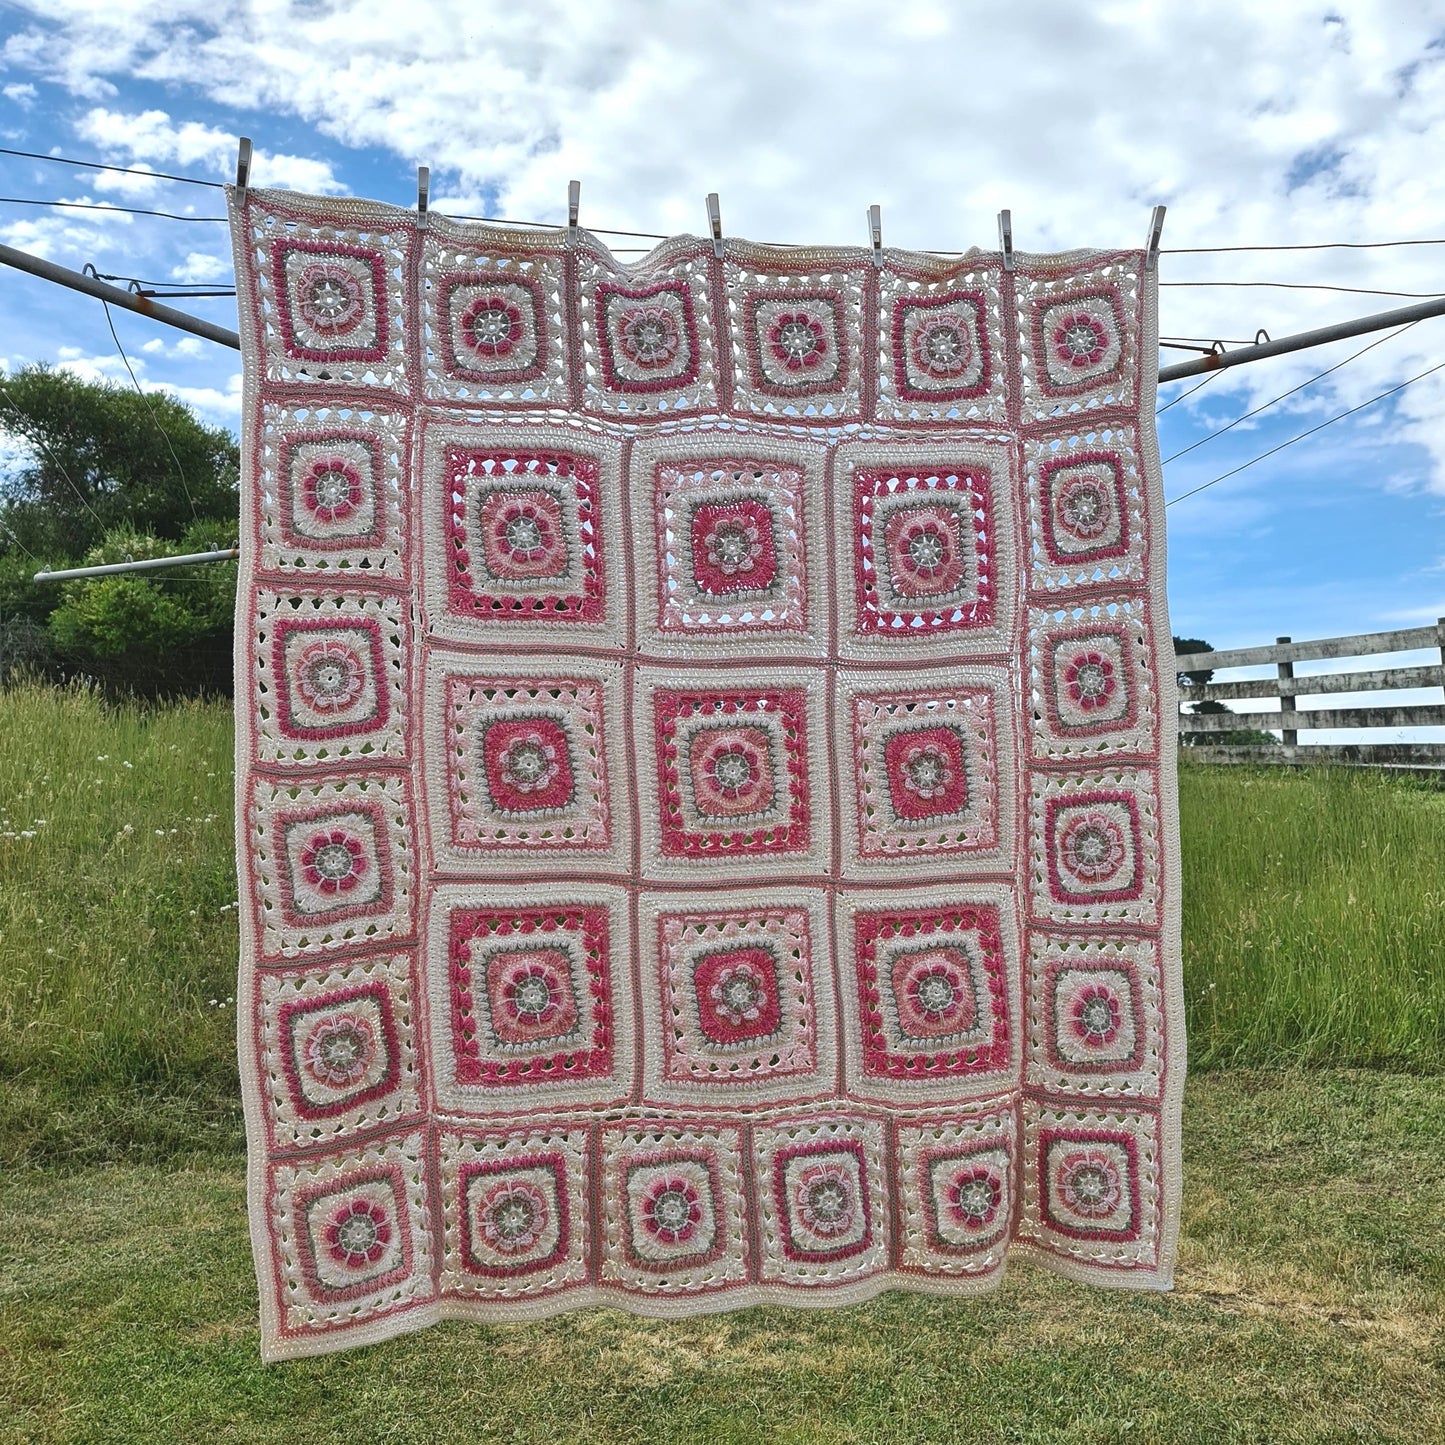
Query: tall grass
[(1314, 917), (1314, 924), (117, 927)]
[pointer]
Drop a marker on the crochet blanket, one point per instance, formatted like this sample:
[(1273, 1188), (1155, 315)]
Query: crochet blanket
[(705, 791)]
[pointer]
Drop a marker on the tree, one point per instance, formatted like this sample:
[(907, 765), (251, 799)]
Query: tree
[(102, 458), (157, 633)]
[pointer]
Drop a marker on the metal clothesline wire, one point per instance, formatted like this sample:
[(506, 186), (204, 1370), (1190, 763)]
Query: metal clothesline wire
[(1339, 416), (1211, 362), (1285, 395), (145, 171)]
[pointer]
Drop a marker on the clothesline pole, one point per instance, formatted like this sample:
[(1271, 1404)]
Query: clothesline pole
[(1214, 361), (103, 291), (145, 564), (1361, 326), (63, 276)]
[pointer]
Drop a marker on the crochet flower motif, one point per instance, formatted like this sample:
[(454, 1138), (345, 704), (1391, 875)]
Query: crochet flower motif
[(927, 776), (1089, 677), (513, 1216), (738, 994), (925, 771), (330, 299), (924, 555), (933, 994), (491, 326), (973, 1197), (1093, 846), (530, 763), (648, 336), (732, 547), (942, 346), (525, 533), (333, 862), (1080, 340), (358, 1233), (797, 340), (824, 1197), (1082, 507), (731, 771), (1088, 1183), (332, 489), (671, 1209), (330, 676), (1096, 1015), (339, 1050), (533, 993)]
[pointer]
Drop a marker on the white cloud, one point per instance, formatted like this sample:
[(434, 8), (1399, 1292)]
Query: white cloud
[(151, 137), (1255, 123), (201, 266), (23, 95)]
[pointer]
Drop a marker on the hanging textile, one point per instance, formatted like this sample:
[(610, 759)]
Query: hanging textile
[(706, 786)]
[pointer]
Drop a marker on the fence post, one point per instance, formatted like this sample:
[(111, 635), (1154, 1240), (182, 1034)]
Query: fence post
[(1286, 697), (1440, 633)]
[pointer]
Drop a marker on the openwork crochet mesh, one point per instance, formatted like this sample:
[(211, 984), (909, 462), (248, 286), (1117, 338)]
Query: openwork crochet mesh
[(706, 796)]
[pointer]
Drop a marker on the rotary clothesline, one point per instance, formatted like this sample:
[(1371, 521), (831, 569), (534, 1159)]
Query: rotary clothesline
[(1215, 359)]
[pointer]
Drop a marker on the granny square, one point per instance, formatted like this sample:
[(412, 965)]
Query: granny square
[(707, 824)]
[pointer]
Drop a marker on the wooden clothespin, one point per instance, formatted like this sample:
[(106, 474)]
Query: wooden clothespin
[(875, 232), (714, 217), (1156, 232), (574, 200), (423, 195), (1006, 238), (243, 169)]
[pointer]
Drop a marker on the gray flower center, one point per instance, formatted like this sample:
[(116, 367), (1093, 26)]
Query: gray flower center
[(523, 534), (532, 996), (1085, 506), (1081, 339), (357, 1234), (975, 1199), (935, 994), (672, 1209), (732, 770), (797, 338), (943, 346), (334, 861), (926, 549), (341, 1049), (329, 299), (1092, 680), (513, 1217), (828, 1201), (527, 762)]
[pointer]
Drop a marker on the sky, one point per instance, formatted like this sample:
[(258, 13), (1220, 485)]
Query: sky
[(1259, 126)]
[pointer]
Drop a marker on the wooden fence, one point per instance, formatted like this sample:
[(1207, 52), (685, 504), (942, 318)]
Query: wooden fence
[(1290, 721)]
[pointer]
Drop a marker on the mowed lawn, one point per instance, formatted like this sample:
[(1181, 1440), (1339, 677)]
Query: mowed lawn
[(1311, 1291)]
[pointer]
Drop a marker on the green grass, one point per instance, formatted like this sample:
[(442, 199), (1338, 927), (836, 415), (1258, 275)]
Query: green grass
[(1310, 1306), (117, 929), (1314, 913), (1314, 917), (1312, 1281)]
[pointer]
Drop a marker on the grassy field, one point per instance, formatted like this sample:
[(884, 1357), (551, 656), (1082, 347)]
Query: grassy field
[(1310, 1306), (1312, 1283), (1314, 913)]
